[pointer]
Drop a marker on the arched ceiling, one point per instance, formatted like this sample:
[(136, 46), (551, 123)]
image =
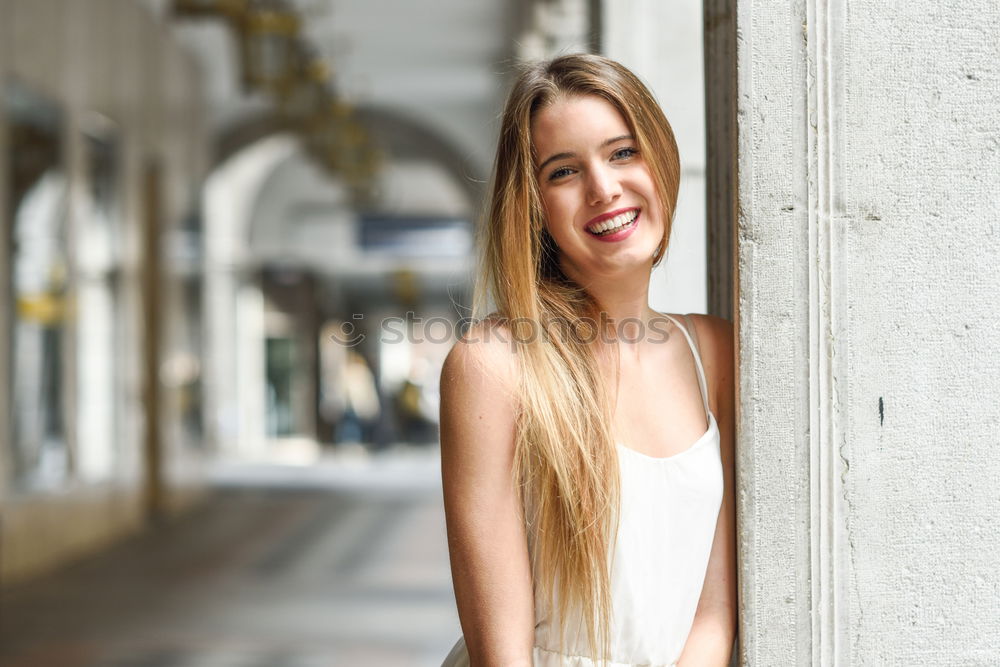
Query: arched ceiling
[(427, 79), (401, 138), (439, 65)]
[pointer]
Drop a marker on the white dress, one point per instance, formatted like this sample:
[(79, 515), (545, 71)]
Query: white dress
[(669, 510)]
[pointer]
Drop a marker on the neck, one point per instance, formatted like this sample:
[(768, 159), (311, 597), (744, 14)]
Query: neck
[(624, 302)]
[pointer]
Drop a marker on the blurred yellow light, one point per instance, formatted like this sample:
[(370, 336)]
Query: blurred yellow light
[(41, 308)]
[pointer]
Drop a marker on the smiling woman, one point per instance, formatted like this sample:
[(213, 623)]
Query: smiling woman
[(569, 546), (594, 165)]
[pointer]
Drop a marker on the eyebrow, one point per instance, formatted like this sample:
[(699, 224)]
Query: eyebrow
[(563, 156)]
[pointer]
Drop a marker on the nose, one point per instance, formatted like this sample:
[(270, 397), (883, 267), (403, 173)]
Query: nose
[(602, 185)]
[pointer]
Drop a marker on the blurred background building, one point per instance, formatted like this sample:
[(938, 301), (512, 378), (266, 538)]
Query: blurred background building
[(238, 239)]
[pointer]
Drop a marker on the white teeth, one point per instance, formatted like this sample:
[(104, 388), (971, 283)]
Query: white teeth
[(619, 220)]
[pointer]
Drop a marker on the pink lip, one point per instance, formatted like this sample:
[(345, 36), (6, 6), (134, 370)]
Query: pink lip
[(607, 216), (619, 235)]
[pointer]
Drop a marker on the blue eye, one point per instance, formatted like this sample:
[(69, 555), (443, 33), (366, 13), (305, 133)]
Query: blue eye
[(624, 153), (559, 173)]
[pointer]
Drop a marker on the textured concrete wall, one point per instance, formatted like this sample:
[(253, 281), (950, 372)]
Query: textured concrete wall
[(922, 197), (869, 168), (773, 453)]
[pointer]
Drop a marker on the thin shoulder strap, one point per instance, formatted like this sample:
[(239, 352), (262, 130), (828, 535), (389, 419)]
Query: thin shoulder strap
[(702, 383)]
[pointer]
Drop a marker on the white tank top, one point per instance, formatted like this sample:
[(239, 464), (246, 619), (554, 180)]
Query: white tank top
[(669, 510)]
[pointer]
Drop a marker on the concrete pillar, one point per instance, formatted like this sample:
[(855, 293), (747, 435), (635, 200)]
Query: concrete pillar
[(234, 330), (6, 296), (869, 168), (556, 27)]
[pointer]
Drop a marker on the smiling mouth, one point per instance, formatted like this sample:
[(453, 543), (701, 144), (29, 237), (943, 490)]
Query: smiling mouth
[(615, 224)]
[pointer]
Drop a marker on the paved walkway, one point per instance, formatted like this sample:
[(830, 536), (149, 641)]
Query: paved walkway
[(331, 565)]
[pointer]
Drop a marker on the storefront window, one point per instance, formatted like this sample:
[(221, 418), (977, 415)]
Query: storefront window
[(280, 358)]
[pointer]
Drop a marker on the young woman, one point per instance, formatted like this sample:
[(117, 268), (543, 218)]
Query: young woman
[(587, 440)]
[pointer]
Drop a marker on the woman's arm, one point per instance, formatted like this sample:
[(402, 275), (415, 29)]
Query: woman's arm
[(486, 538), (714, 630)]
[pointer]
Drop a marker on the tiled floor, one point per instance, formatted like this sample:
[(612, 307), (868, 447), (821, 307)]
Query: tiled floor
[(315, 567)]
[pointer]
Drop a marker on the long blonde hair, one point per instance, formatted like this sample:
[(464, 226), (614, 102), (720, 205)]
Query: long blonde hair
[(565, 461)]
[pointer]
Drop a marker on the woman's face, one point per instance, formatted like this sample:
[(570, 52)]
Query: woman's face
[(600, 200)]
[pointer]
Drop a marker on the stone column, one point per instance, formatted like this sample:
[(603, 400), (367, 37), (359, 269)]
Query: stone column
[(7, 318), (868, 485), (554, 27)]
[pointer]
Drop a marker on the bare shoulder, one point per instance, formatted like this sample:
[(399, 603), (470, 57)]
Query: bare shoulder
[(716, 343), (715, 335), (487, 542), (479, 383), (484, 356)]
